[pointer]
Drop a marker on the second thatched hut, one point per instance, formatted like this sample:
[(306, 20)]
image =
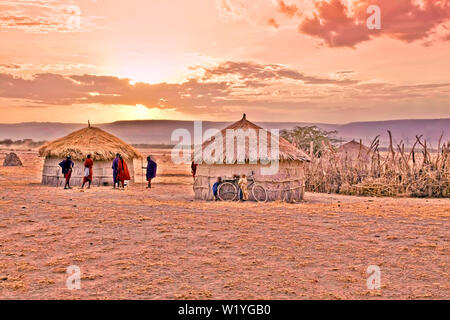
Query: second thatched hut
[(101, 145), (287, 184)]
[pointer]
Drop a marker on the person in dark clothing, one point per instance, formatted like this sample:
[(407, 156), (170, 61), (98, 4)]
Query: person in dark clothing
[(194, 169), (151, 171), (216, 188), (67, 168), (115, 167)]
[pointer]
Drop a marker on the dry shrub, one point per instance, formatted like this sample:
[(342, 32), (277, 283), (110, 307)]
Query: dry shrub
[(417, 173)]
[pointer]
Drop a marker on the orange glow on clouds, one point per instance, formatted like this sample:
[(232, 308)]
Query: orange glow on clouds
[(281, 60)]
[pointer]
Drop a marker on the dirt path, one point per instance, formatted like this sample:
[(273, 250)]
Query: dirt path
[(160, 244)]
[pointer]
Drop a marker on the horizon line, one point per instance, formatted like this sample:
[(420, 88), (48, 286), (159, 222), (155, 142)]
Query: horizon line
[(224, 121)]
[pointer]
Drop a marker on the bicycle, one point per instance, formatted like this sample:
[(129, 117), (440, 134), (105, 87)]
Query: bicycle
[(229, 190)]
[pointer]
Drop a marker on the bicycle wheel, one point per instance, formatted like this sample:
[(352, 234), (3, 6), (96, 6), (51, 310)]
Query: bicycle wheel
[(259, 193), (227, 191)]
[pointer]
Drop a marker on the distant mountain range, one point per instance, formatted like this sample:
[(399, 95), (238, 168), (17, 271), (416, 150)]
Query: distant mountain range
[(160, 131)]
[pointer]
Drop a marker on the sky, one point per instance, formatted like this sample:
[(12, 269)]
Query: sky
[(332, 61)]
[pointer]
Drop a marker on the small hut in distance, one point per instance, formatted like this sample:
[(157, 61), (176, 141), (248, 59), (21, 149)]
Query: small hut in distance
[(101, 145), (12, 160), (353, 151)]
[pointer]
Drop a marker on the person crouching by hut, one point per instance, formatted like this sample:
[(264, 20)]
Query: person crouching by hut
[(88, 172), (243, 188), (123, 173), (115, 167), (215, 188), (151, 171), (67, 168)]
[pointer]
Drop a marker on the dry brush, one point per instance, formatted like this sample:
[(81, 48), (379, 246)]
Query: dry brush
[(417, 172)]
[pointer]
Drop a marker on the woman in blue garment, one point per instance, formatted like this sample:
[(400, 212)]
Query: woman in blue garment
[(216, 188), (151, 171)]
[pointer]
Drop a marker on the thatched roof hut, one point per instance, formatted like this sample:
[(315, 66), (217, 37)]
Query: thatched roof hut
[(287, 183), (101, 145), (353, 151), (287, 151)]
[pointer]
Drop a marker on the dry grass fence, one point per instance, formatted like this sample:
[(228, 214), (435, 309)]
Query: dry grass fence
[(414, 173)]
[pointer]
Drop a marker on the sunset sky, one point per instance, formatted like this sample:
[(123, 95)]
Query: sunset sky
[(291, 60)]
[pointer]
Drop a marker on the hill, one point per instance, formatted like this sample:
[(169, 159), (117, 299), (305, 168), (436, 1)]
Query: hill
[(159, 131)]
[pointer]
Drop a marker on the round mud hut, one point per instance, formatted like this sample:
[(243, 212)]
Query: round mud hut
[(101, 145), (286, 184)]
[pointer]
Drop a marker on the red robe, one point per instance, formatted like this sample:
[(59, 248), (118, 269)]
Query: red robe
[(89, 163), (123, 173)]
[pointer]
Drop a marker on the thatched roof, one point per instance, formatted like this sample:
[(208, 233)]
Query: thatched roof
[(101, 145), (353, 149), (287, 151)]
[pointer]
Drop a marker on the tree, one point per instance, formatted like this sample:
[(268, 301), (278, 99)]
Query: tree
[(301, 137), (6, 142)]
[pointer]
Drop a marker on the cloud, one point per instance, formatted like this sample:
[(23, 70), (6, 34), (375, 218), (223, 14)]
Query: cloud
[(54, 89), (255, 12), (232, 9), (32, 68), (44, 16), (10, 66), (237, 84), (266, 72), (332, 24), (289, 10), (344, 25), (272, 22), (216, 89)]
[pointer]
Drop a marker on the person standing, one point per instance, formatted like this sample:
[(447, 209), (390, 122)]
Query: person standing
[(243, 186), (115, 167), (194, 169), (88, 172), (151, 171), (123, 173), (67, 168)]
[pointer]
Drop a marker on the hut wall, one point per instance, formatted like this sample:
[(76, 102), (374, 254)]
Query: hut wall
[(287, 185), (102, 173)]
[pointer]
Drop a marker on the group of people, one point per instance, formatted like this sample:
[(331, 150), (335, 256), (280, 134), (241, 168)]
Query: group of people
[(120, 172), (119, 167), (242, 183)]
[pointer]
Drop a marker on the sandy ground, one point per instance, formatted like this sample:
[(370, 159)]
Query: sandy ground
[(160, 244)]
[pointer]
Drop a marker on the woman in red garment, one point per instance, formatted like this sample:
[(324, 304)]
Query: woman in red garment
[(88, 164), (123, 173)]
